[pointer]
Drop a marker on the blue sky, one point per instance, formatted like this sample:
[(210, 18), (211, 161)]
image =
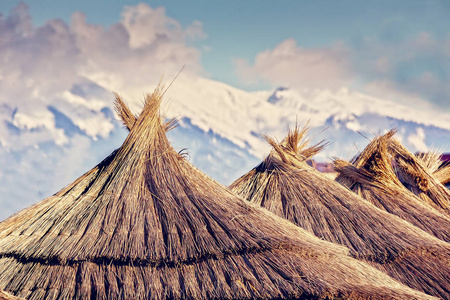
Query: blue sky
[(399, 49)]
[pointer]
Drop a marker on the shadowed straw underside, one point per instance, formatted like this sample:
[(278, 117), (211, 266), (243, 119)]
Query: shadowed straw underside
[(284, 184), (145, 224)]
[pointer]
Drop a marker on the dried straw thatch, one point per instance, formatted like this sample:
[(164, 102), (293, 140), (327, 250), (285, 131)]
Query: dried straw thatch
[(284, 184), (443, 174), (7, 296), (145, 224), (371, 175), (433, 163), (431, 159), (417, 175)]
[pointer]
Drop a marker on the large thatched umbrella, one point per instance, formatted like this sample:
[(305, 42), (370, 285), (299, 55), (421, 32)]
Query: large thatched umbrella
[(371, 175), (417, 175), (284, 184), (145, 224)]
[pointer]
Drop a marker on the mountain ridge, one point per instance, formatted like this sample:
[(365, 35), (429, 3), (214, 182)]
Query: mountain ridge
[(45, 144)]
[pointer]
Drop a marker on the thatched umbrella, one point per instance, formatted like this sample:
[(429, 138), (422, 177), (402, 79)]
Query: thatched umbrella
[(284, 184), (422, 175), (145, 224), (371, 175)]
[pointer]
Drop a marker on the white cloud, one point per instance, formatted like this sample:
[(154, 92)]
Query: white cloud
[(39, 65), (138, 49), (418, 140), (147, 26), (291, 65), (412, 67), (388, 89)]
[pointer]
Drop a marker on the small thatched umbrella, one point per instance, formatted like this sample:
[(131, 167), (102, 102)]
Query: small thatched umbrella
[(422, 175), (145, 224), (371, 175), (284, 184)]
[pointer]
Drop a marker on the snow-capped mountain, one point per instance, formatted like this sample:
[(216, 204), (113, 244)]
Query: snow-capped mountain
[(46, 144)]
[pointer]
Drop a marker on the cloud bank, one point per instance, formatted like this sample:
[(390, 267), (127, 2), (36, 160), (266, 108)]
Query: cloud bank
[(40, 64), (412, 69), (291, 65)]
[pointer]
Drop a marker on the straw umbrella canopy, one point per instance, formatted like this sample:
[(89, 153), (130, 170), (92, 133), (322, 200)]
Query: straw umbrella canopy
[(371, 175), (284, 184), (422, 175), (145, 224)]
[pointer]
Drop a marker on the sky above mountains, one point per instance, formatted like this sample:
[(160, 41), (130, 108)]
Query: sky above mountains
[(395, 49)]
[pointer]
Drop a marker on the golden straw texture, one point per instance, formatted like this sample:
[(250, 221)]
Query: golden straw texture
[(372, 176), (7, 296), (418, 178), (443, 174), (284, 184)]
